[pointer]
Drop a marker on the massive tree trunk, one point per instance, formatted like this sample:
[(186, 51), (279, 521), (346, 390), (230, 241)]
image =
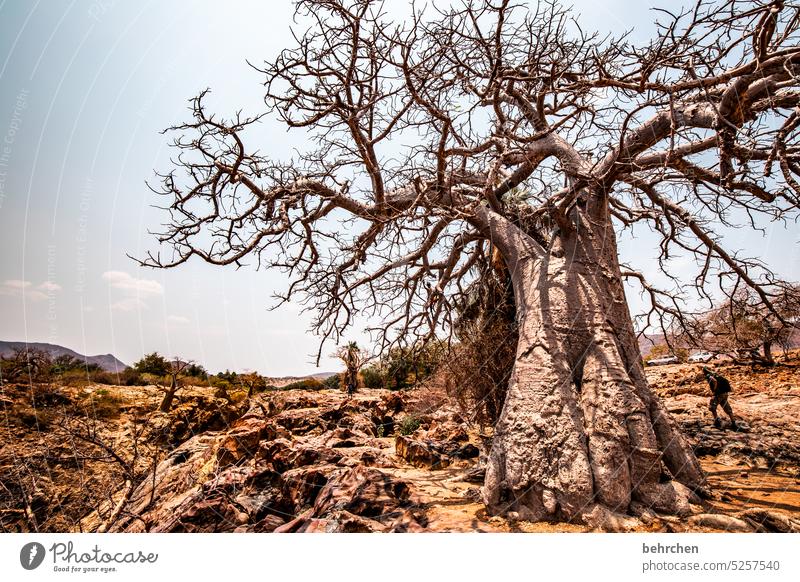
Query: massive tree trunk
[(580, 434)]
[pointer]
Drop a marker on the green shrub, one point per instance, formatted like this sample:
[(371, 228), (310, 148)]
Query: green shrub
[(153, 363), (131, 377), (74, 378), (103, 377), (66, 363), (332, 382), (372, 376), (227, 375), (221, 384), (409, 424), (305, 384), (102, 403), (196, 371)]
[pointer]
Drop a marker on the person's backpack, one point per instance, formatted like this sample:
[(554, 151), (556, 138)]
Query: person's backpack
[(722, 384)]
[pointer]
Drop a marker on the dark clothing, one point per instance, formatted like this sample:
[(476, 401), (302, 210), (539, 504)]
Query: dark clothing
[(719, 384), (721, 399), (721, 388)]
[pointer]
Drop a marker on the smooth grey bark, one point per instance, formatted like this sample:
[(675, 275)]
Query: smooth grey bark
[(580, 428)]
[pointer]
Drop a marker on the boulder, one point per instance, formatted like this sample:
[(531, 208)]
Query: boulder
[(601, 518), (419, 454), (301, 486), (363, 491), (721, 522), (241, 442), (770, 520)]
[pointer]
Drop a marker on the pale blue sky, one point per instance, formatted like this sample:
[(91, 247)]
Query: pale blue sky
[(85, 88)]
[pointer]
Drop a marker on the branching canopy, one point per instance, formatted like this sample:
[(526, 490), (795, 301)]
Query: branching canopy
[(428, 133)]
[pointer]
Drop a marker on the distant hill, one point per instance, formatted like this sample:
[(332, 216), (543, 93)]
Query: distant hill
[(106, 361), (648, 342), (323, 375)]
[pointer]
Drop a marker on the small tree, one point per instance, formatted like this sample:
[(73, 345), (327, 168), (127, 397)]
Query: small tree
[(29, 364), (353, 359), (176, 368), (154, 363), (657, 351), (746, 330), (408, 365), (253, 381), (196, 371), (664, 350)]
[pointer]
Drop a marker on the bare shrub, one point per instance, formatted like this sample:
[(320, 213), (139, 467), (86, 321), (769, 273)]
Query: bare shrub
[(477, 371)]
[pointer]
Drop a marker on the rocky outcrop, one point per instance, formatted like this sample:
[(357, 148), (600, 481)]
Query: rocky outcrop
[(301, 462), (720, 522), (419, 454), (766, 401), (765, 520), (308, 461), (430, 454)]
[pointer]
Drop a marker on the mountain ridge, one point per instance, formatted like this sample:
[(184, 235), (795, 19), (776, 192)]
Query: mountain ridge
[(108, 362)]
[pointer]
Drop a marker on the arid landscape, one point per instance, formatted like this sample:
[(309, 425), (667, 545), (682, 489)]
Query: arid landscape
[(370, 266), (103, 458), (469, 266)]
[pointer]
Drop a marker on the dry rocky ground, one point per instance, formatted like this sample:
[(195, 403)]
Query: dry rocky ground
[(302, 461)]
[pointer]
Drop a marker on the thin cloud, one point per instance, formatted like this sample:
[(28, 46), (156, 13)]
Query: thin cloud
[(128, 304), (49, 287), (18, 288), (178, 320), (132, 291), (132, 285), (16, 284)]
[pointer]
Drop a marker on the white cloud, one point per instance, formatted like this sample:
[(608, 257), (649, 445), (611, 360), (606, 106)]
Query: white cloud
[(133, 291), (35, 295), (17, 287), (131, 285), (49, 286), (128, 304), (178, 319), (16, 284)]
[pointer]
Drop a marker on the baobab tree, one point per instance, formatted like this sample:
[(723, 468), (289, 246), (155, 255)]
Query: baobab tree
[(495, 128)]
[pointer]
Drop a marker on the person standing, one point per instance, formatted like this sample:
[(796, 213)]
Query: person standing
[(720, 389)]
